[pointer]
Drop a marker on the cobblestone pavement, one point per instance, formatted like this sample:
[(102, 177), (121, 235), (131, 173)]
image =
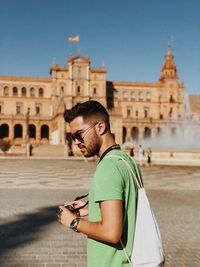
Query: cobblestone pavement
[(31, 189)]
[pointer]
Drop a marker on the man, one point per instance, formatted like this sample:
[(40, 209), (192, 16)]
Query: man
[(112, 195)]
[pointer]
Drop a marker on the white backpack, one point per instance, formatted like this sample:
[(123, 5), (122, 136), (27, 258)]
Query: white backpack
[(147, 248)]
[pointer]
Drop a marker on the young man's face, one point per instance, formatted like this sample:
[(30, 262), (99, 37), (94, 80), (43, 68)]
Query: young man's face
[(85, 136)]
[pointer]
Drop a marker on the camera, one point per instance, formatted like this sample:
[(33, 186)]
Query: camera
[(70, 207)]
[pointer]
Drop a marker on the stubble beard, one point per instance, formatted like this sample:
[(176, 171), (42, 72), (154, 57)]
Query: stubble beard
[(93, 148)]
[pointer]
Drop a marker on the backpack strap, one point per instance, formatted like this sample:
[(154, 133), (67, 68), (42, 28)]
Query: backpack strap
[(129, 261), (138, 178)]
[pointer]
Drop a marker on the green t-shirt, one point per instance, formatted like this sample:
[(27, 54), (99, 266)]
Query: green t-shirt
[(112, 181)]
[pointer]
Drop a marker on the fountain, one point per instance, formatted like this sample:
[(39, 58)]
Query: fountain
[(180, 141)]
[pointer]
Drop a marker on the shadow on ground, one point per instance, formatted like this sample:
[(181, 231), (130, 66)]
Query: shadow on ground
[(25, 229)]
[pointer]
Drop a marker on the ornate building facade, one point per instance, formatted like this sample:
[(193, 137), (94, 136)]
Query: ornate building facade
[(31, 109)]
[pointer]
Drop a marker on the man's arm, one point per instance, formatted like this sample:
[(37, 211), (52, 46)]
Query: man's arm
[(109, 229)]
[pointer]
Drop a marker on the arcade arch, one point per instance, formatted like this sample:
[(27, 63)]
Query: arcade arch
[(44, 132), (4, 131), (18, 131)]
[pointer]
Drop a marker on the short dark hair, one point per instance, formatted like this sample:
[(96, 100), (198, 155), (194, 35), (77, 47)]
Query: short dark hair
[(86, 110)]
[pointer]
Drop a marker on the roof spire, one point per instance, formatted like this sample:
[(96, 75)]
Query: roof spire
[(169, 68)]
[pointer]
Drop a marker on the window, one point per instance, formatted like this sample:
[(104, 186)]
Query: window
[(180, 96), (41, 92), (6, 91), (133, 96), (128, 112), (15, 91), (1, 107), (148, 96), (78, 90), (136, 113), (146, 113), (94, 91), (161, 116), (23, 91), (32, 91), (171, 99), (140, 96), (37, 108), (19, 108), (170, 112)]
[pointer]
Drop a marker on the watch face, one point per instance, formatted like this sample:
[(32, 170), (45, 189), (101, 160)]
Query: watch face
[(74, 224)]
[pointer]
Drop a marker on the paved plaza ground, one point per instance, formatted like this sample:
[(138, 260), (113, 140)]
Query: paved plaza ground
[(31, 189)]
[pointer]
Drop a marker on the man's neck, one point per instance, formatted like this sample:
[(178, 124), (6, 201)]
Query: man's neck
[(107, 142)]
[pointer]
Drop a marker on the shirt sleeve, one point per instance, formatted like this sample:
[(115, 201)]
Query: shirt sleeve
[(108, 182)]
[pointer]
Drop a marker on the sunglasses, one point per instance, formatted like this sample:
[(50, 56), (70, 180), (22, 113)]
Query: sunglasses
[(81, 135)]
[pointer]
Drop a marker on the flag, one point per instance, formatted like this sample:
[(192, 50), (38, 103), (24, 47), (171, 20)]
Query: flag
[(74, 39)]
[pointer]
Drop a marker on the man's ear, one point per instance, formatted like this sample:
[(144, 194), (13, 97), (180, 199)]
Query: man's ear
[(101, 127)]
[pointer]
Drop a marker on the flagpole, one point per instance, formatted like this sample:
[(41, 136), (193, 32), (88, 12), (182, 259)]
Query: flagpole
[(78, 45), (78, 48)]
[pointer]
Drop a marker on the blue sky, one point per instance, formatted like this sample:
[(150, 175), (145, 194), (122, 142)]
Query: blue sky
[(130, 37)]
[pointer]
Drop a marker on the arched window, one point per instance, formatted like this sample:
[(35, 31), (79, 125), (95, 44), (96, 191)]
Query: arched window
[(41, 92), (15, 91), (23, 91), (32, 91), (6, 91)]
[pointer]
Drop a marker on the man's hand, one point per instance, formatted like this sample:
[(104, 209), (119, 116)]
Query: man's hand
[(65, 216), (108, 229)]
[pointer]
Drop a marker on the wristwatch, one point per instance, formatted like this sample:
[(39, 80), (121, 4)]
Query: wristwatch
[(74, 224)]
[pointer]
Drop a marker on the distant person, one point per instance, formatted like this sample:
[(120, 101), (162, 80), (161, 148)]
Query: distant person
[(30, 150), (132, 154), (149, 155)]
